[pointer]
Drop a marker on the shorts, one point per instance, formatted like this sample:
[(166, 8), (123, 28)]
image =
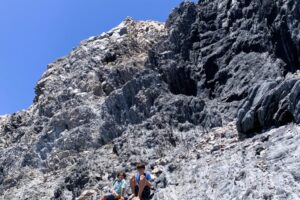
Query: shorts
[(113, 197), (146, 193)]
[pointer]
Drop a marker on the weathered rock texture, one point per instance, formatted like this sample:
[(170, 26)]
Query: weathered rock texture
[(209, 100)]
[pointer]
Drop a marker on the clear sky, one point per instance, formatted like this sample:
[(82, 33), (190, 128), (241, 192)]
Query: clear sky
[(34, 33)]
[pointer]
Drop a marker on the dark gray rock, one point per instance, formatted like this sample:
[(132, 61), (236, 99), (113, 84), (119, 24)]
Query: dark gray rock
[(219, 50), (270, 105)]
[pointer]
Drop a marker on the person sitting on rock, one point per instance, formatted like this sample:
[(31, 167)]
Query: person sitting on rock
[(140, 183), (119, 186)]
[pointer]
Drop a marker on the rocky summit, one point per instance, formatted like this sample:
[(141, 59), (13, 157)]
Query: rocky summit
[(209, 100)]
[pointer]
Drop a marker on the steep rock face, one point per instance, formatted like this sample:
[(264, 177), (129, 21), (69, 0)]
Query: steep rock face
[(218, 50), (270, 104), (179, 96), (239, 56)]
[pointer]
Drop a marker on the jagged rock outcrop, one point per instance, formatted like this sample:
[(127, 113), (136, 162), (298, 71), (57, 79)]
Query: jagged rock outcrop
[(271, 104), (209, 100), (218, 50)]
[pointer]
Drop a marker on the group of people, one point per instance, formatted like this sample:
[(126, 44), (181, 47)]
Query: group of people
[(140, 185)]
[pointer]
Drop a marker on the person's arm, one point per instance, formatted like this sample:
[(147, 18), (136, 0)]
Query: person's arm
[(113, 189), (148, 184), (114, 192), (148, 179), (123, 190)]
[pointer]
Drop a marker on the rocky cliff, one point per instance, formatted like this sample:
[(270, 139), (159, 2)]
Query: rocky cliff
[(209, 100)]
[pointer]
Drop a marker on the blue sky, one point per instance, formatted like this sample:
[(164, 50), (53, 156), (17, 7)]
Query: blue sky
[(34, 33)]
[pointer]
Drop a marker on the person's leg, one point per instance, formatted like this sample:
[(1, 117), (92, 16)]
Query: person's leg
[(108, 197), (132, 186), (142, 185), (105, 197)]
